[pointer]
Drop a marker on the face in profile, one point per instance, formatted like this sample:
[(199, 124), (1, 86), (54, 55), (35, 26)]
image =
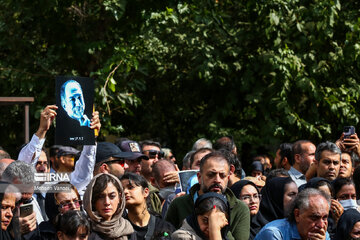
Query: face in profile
[(72, 100)]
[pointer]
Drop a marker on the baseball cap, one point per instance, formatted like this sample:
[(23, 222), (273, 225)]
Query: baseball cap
[(105, 150), (65, 150), (133, 147), (258, 182)]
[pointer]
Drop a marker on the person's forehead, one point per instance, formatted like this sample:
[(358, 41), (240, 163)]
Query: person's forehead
[(42, 157), (248, 189), (317, 206), (326, 154), (200, 155), (150, 147), (215, 164), (308, 147), (346, 156), (73, 88), (9, 198), (63, 196)]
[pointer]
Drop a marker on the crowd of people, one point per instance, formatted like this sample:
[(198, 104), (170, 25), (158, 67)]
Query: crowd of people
[(130, 190)]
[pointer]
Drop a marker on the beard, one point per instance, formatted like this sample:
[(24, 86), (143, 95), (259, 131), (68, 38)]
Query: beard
[(209, 189)]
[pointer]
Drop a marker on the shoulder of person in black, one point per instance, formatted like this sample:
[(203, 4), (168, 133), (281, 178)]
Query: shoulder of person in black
[(161, 227)]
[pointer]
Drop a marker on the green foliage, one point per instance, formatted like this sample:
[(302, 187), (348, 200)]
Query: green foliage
[(262, 71)]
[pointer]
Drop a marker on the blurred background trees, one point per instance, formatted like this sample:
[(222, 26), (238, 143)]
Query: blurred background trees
[(264, 72)]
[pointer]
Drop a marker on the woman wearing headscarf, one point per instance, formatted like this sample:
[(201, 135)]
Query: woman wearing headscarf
[(319, 183), (248, 193), (8, 196), (349, 225), (104, 202), (210, 219), (277, 195)]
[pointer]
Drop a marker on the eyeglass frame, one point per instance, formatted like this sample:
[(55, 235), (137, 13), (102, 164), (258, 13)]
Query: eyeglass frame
[(253, 197), (71, 203), (120, 160), (160, 153)]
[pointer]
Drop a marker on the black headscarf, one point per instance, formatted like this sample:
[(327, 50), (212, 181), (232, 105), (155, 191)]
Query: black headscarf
[(192, 219), (51, 208), (238, 186), (346, 223), (313, 183), (4, 235), (271, 205)]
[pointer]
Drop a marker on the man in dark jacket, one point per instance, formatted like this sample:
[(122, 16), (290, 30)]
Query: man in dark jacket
[(213, 177)]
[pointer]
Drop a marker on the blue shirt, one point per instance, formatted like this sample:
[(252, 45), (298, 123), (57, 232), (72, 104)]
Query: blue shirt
[(297, 176), (280, 229)]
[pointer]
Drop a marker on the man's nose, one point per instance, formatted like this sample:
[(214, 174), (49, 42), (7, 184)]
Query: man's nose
[(217, 178), (9, 213), (321, 223), (77, 102)]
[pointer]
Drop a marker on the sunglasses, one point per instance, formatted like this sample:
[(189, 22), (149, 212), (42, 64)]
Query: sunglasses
[(153, 153), (69, 205), (120, 161)]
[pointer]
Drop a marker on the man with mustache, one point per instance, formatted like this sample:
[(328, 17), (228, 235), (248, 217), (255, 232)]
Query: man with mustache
[(327, 160), (213, 177)]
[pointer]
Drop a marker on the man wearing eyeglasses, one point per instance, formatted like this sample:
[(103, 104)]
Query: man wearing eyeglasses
[(110, 159), (152, 150)]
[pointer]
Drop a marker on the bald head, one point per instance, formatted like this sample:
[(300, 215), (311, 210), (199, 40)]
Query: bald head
[(159, 169), (4, 163), (4, 154)]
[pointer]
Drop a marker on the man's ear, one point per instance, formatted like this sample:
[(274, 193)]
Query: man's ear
[(61, 159), (284, 162), (199, 176), (104, 168), (297, 158), (59, 235), (232, 169)]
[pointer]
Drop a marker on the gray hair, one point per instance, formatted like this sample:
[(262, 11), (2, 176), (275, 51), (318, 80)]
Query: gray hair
[(326, 146), (301, 201), (202, 143), (3, 166), (186, 160), (21, 171)]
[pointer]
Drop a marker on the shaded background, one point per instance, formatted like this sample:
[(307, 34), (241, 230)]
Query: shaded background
[(264, 72)]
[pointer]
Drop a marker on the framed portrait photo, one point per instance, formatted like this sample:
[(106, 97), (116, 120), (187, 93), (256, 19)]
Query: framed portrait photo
[(75, 101)]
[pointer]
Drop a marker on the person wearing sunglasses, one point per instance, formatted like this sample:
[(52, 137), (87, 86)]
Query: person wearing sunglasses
[(153, 151), (110, 159), (56, 204)]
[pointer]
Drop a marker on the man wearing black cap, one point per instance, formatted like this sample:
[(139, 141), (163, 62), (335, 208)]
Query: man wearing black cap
[(134, 162), (110, 159)]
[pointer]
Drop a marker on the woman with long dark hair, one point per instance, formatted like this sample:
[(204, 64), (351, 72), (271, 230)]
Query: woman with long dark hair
[(145, 224), (104, 202)]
